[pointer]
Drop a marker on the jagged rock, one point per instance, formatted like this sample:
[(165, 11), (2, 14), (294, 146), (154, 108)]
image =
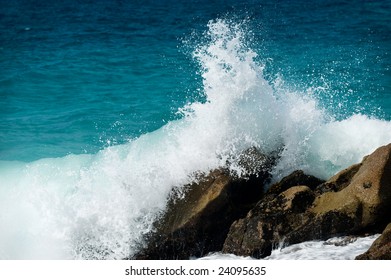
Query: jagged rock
[(297, 199), (253, 162), (199, 222), (266, 225), (354, 200), (339, 181), (296, 178), (380, 249), (366, 196)]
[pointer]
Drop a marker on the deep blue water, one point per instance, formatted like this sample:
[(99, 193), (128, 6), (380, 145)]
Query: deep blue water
[(105, 106), (78, 75)]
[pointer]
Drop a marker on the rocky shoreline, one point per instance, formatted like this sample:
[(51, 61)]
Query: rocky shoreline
[(221, 212)]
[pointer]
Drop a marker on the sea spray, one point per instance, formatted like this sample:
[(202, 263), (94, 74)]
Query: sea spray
[(99, 206)]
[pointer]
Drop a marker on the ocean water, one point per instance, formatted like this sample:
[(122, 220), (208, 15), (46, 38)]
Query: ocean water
[(336, 248), (105, 106)]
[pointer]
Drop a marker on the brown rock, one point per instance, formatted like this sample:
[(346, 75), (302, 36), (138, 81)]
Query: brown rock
[(297, 199), (296, 178), (199, 222), (353, 201), (380, 249), (268, 223), (339, 181), (367, 194)]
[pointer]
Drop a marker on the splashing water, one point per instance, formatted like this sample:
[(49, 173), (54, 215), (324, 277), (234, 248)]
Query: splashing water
[(336, 248), (99, 206)]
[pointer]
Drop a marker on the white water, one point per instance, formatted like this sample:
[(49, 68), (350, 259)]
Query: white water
[(331, 249), (99, 206)]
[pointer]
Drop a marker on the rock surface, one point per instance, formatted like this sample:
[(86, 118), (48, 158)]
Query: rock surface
[(268, 223), (296, 178), (199, 222), (225, 213), (366, 196), (355, 200), (380, 249)]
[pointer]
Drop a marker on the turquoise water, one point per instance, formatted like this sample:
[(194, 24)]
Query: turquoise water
[(106, 105), (76, 77)]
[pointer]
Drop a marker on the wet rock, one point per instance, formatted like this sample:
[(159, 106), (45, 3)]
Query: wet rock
[(297, 199), (380, 249), (267, 224), (339, 181), (366, 196), (296, 178), (253, 162), (198, 223), (355, 200)]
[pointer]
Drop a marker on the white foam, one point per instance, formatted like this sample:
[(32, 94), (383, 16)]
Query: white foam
[(99, 206), (333, 249)]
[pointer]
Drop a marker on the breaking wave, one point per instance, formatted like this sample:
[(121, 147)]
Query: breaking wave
[(98, 206)]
